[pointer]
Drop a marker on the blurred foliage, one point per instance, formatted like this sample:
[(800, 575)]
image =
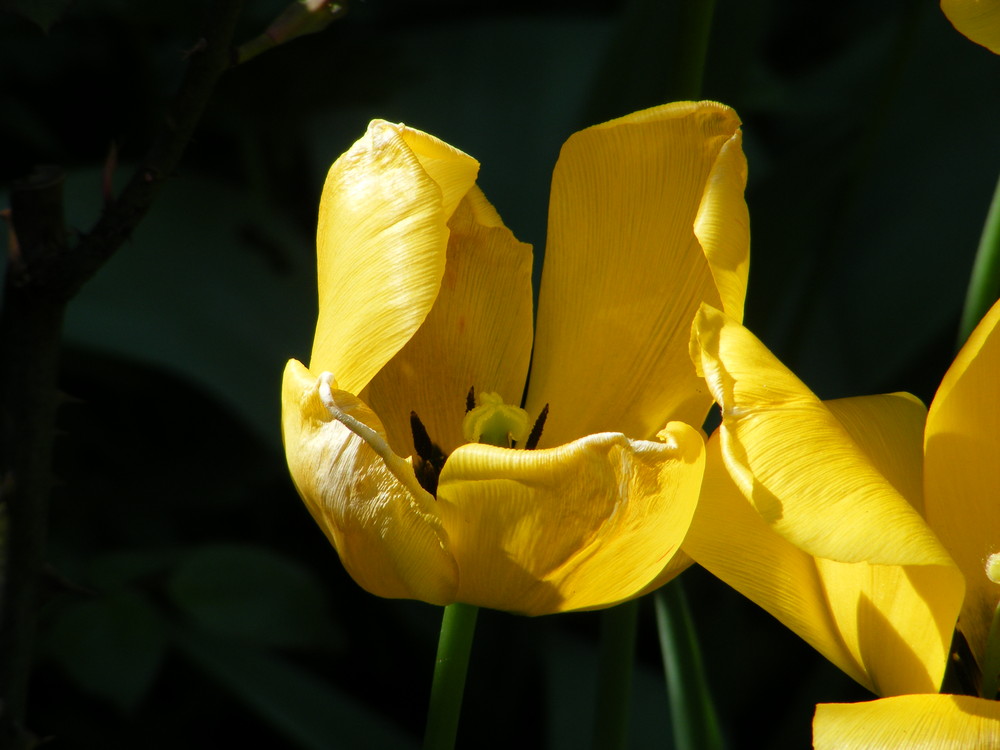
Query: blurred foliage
[(192, 601)]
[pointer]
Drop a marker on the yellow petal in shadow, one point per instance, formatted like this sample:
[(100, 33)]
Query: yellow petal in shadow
[(585, 525), (962, 471), (478, 333), (896, 621), (633, 201), (381, 244), (916, 604), (797, 464), (909, 722), (979, 20), (383, 525)]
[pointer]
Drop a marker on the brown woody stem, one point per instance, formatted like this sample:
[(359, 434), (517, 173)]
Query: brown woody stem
[(43, 274)]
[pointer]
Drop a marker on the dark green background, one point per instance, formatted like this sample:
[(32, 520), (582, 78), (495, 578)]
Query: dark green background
[(192, 601)]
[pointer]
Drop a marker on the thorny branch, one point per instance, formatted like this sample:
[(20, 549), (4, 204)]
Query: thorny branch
[(44, 273)]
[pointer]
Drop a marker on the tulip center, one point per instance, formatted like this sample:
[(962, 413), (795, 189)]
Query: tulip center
[(487, 420), (493, 422)]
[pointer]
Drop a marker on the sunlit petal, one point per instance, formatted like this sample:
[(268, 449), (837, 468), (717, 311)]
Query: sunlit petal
[(384, 527), (797, 464), (382, 239), (962, 470), (723, 226), (887, 626), (827, 542), (977, 19), (909, 722), (581, 526), (625, 271), (477, 334)]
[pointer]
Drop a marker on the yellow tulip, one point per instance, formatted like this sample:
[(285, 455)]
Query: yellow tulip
[(962, 504), (810, 509), (979, 20), (962, 472), (424, 296)]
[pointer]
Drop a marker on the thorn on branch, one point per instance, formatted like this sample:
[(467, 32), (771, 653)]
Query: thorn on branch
[(108, 175), (200, 46)]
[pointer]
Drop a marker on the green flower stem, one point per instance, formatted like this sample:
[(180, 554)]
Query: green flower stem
[(692, 712), (695, 24), (984, 284), (991, 659), (454, 645), (614, 671)]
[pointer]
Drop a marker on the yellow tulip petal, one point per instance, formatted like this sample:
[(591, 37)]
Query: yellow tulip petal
[(584, 525), (887, 626), (917, 605), (385, 528), (674, 567), (827, 542), (896, 621), (633, 201), (478, 333), (381, 244), (909, 722), (774, 433), (723, 226), (962, 470), (889, 429), (729, 539), (979, 20)]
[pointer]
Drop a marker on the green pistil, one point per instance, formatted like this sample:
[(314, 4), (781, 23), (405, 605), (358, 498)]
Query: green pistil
[(495, 423)]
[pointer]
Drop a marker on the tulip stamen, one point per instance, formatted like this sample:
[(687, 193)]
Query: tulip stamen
[(430, 458), (470, 399), (536, 430)]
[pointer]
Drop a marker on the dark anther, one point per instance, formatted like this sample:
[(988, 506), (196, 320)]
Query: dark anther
[(536, 432), (430, 458), (470, 400), (962, 671)]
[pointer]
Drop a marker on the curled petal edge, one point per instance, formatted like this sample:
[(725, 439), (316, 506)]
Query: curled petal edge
[(366, 500)]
